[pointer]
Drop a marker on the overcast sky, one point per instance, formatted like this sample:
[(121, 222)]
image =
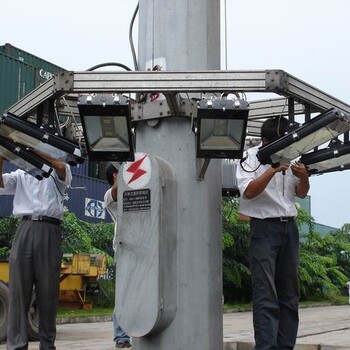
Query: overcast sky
[(306, 38)]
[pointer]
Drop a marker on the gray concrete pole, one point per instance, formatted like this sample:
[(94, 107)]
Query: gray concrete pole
[(185, 35)]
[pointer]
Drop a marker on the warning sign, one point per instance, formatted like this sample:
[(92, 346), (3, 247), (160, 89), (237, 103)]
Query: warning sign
[(137, 174), (137, 200)]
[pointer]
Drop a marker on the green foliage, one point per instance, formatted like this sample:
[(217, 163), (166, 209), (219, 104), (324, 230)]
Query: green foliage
[(320, 272), (324, 260), (105, 295), (341, 248), (75, 237), (8, 228), (101, 236), (82, 236), (236, 274), (78, 236)]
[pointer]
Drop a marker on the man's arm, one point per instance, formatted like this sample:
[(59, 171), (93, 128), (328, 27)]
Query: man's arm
[(115, 187), (300, 171), (259, 184), (57, 164)]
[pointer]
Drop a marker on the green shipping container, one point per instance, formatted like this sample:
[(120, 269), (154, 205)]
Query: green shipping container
[(20, 73), (16, 80), (45, 69)]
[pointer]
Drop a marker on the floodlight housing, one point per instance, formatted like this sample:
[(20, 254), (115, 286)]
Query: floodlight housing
[(31, 135), (221, 128), (315, 132), (25, 159), (331, 159), (106, 122)]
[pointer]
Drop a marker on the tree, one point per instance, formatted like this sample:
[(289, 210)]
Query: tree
[(236, 274), (78, 236), (8, 228), (324, 260), (320, 272)]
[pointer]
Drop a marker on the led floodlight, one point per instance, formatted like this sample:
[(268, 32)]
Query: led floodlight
[(327, 160), (313, 133), (221, 128), (106, 122), (24, 159), (29, 134)]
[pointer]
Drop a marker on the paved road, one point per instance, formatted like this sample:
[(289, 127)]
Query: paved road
[(321, 328)]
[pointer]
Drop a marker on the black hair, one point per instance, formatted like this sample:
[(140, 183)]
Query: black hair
[(273, 128), (110, 170)]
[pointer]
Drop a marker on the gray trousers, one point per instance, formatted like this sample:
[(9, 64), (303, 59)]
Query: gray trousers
[(35, 260), (274, 259)]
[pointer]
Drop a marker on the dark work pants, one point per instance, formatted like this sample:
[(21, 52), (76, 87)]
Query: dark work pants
[(35, 259), (274, 259)]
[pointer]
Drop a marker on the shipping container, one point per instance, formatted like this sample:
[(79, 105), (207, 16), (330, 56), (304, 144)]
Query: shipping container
[(94, 169), (81, 169), (86, 199), (46, 69), (20, 73), (16, 80)]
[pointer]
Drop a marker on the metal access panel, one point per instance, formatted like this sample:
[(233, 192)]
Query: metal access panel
[(146, 252)]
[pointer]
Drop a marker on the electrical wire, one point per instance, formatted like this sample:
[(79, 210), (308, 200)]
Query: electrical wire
[(280, 117), (245, 170), (225, 48), (153, 31), (121, 65), (192, 115), (63, 195), (72, 117), (133, 52)]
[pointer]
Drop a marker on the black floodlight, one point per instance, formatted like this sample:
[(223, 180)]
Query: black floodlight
[(327, 160), (315, 132), (221, 128), (31, 135), (24, 159), (106, 122)]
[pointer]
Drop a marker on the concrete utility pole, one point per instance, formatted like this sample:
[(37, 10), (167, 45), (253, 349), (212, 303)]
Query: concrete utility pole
[(179, 35)]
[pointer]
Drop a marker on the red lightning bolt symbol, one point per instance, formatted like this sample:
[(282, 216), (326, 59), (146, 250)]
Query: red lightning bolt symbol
[(135, 168)]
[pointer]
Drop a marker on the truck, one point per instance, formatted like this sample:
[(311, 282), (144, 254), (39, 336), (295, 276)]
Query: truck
[(78, 272)]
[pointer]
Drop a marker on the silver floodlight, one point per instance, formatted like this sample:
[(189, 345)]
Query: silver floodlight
[(324, 127), (33, 136), (336, 158), (24, 159)]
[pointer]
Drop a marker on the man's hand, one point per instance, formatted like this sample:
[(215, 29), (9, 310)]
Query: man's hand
[(57, 164), (299, 170), (282, 167)]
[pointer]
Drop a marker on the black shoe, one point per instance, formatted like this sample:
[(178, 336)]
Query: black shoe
[(123, 345)]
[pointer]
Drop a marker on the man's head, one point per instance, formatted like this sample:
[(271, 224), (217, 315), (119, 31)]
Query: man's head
[(110, 170), (273, 128)]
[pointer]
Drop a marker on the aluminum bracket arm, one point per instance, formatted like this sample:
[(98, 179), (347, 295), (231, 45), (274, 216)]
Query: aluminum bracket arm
[(171, 83)]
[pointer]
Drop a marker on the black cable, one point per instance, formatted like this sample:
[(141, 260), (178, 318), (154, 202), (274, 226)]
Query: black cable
[(121, 65), (130, 38), (247, 171)]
